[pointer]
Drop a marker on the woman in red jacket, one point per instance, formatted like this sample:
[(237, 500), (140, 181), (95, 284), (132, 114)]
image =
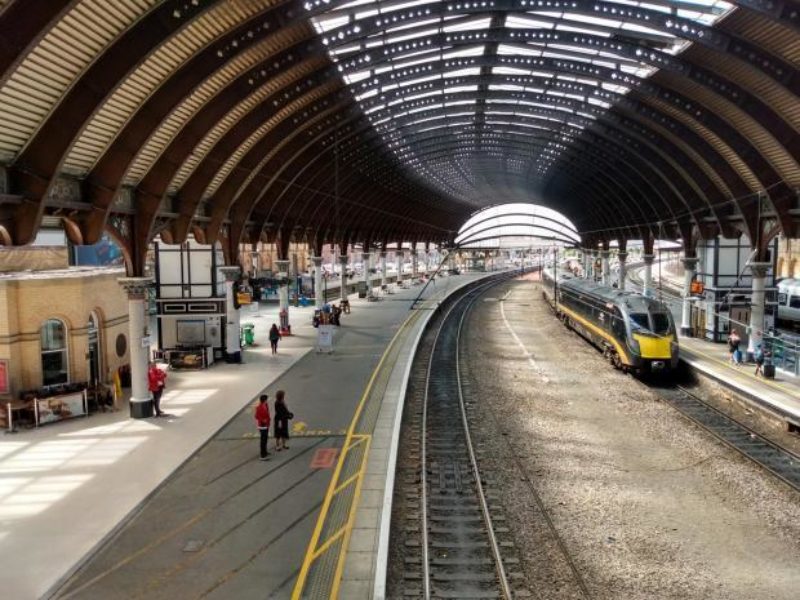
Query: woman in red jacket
[(156, 380), (262, 422)]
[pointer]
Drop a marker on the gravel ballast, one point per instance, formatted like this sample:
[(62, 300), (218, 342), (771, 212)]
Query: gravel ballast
[(642, 502)]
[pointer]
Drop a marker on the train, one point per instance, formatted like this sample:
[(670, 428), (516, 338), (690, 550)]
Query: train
[(789, 303), (637, 334)]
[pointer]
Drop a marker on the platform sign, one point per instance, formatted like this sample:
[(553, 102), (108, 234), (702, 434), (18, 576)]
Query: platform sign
[(4, 383), (325, 338)]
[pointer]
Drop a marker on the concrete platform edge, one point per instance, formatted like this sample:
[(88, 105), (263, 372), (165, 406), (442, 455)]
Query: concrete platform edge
[(749, 394)]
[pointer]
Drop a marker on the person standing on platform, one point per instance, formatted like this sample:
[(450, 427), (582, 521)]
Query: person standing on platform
[(274, 337), (733, 346), (156, 382), (759, 358), (282, 417), (262, 423)]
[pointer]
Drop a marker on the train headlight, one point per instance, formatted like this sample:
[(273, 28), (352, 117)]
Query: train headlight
[(634, 343)]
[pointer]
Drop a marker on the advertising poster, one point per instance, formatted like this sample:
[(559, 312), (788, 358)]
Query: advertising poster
[(50, 410), (4, 383)]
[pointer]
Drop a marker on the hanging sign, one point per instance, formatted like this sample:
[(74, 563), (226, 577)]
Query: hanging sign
[(4, 384), (325, 338)]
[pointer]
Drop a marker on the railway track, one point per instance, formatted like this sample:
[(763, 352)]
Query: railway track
[(779, 461), (464, 545)]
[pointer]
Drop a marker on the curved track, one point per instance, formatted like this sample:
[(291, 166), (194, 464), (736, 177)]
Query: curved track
[(461, 556)]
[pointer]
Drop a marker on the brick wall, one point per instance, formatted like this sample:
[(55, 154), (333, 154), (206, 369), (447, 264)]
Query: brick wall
[(25, 304)]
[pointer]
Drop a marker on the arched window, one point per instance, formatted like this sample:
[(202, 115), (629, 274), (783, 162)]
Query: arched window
[(55, 367)]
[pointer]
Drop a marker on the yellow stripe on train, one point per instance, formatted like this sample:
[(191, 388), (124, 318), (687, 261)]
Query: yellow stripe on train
[(659, 348), (622, 352)]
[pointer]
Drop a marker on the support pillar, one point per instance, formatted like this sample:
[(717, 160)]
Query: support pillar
[(138, 336), (254, 261), (414, 272), (343, 277), (606, 269), (283, 296), (647, 284), (623, 257), (319, 300), (383, 268), (689, 265), (585, 263), (756, 336), (233, 349), (365, 260)]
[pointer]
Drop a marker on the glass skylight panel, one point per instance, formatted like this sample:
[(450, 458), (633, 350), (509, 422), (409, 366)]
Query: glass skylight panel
[(507, 50), (422, 80), (524, 22), (469, 25), (367, 95)]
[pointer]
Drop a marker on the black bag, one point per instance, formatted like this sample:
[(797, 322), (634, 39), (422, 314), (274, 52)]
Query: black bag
[(290, 416)]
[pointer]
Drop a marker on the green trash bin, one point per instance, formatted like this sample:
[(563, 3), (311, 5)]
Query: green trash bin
[(248, 334)]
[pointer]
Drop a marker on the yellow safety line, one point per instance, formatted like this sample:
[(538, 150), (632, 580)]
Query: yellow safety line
[(599, 332), (355, 477), (326, 504), (777, 386), (337, 578), (345, 484), (330, 541)]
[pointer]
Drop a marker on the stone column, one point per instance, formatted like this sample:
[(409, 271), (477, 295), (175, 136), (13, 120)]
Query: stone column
[(623, 257), (689, 265), (647, 284), (139, 352), (383, 268), (606, 271), (365, 257), (283, 296), (759, 271), (414, 264), (343, 277), (233, 348), (254, 259), (318, 292)]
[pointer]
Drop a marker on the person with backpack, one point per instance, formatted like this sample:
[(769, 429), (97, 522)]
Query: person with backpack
[(282, 418), (262, 423), (274, 337)]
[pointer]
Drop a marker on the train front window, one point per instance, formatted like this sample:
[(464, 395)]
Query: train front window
[(661, 323), (640, 321)]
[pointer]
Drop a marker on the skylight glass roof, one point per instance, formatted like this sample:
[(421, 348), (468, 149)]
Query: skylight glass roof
[(438, 79), (489, 227)]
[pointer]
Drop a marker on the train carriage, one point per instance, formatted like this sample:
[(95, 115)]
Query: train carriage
[(635, 333)]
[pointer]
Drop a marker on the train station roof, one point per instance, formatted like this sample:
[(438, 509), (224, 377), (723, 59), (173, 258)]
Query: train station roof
[(379, 121)]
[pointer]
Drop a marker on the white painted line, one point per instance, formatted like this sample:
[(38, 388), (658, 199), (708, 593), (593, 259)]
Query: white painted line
[(525, 352)]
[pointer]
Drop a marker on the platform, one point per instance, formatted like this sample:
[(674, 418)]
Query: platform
[(181, 506), (780, 395)]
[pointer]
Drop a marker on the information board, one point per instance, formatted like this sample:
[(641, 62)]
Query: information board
[(325, 338)]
